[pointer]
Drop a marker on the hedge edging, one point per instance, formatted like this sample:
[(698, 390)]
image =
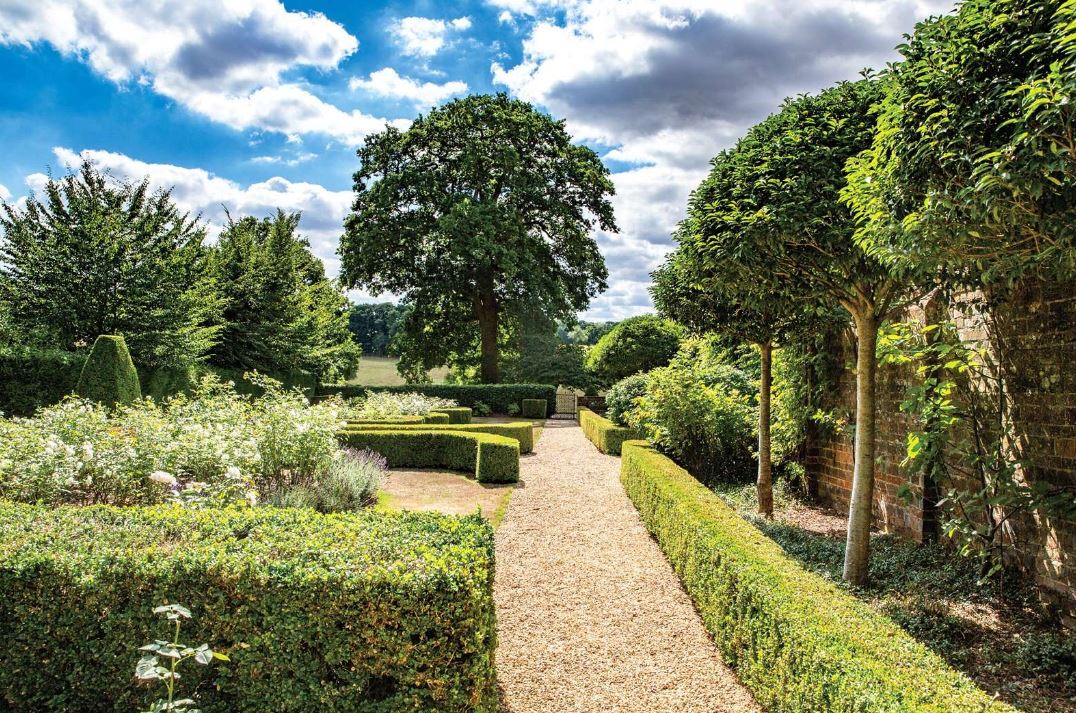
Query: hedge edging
[(521, 431), (497, 396), (603, 433), (456, 414), (796, 640), (492, 459), (368, 611)]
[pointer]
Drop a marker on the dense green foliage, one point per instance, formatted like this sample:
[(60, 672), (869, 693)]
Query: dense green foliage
[(622, 397), (797, 641), (498, 397), (522, 431), (535, 408), (636, 344), (538, 356), (456, 414), (350, 483), (374, 326), (481, 208), (32, 378), (95, 256), (606, 436), (109, 376), (356, 612), (583, 333), (492, 459)]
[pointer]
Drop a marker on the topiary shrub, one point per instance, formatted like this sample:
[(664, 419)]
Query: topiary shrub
[(636, 344), (622, 398), (437, 417), (606, 436), (109, 376), (522, 431), (535, 408), (492, 459), (456, 414)]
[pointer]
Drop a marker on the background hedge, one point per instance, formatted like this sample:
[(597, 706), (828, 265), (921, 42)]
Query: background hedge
[(358, 612), (603, 433), (109, 376), (492, 459), (795, 639), (535, 408), (32, 378), (497, 396), (521, 431)]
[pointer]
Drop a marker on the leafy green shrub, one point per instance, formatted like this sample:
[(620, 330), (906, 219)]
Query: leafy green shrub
[(366, 611), (456, 414), (492, 459), (513, 410), (621, 398), (796, 640), (109, 376), (535, 408), (32, 378), (351, 483), (497, 397), (522, 431), (482, 408), (603, 433), (636, 344)]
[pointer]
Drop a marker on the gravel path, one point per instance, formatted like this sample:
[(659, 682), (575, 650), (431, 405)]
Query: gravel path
[(590, 616)]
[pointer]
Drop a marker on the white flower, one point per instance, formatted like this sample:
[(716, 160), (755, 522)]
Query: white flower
[(161, 476), (233, 472), (87, 448)]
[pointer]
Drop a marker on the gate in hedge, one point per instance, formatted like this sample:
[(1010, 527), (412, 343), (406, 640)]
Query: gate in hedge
[(567, 403)]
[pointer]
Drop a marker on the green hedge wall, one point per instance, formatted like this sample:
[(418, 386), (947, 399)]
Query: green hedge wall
[(318, 613), (492, 459), (603, 433), (456, 414), (535, 408), (522, 431), (497, 396), (796, 640), (31, 378)]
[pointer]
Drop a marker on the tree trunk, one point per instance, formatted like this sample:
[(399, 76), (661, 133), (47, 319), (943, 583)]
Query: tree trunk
[(488, 320), (765, 475), (857, 549)]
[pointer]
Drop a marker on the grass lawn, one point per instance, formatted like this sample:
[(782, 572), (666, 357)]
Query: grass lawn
[(381, 371)]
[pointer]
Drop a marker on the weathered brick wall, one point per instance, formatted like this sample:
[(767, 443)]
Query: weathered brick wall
[(1031, 337)]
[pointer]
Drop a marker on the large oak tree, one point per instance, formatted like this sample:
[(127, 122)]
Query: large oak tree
[(482, 207)]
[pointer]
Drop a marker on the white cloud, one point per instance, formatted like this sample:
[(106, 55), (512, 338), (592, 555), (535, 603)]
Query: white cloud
[(4, 192), (224, 61), (425, 36), (388, 83), (286, 160)]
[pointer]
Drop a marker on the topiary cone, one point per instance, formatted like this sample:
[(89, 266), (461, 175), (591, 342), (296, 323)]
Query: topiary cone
[(109, 376)]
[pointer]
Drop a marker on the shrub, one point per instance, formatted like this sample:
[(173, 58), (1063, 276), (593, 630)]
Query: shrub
[(535, 408), (796, 640), (636, 344), (32, 378), (351, 483), (498, 397), (109, 376), (363, 611), (456, 414), (482, 408), (377, 405), (437, 417), (603, 433), (622, 397), (522, 431), (492, 459)]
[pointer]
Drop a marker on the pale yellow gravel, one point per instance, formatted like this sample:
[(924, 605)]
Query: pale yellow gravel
[(590, 615)]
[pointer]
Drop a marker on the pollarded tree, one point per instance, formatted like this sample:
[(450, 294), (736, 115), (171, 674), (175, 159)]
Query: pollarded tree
[(772, 211), (484, 206)]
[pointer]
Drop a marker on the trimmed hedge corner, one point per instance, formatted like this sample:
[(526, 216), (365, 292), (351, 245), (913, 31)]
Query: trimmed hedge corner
[(437, 417), (498, 397), (492, 459), (319, 613), (109, 376), (456, 414), (796, 640), (522, 431), (535, 408), (603, 433)]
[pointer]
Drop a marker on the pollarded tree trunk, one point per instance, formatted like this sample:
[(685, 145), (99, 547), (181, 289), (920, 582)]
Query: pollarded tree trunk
[(488, 312), (857, 548), (765, 474)]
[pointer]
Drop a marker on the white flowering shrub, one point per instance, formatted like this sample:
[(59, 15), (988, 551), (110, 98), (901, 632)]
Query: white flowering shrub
[(380, 405)]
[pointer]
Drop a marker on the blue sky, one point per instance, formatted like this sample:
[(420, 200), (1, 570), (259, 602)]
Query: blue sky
[(251, 105)]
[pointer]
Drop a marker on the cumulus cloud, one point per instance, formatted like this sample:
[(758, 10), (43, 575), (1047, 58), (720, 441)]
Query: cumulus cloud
[(426, 36), (388, 82), (5, 194), (224, 61)]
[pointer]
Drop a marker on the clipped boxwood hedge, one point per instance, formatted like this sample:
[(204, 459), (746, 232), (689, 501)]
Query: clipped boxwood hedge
[(535, 408), (353, 612), (499, 397), (456, 414), (796, 640), (603, 433), (109, 376), (492, 459), (522, 431)]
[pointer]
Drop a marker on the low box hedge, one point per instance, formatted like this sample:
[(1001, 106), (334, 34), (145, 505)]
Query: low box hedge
[(535, 408), (795, 639), (492, 459), (353, 612), (522, 431), (603, 433), (499, 397), (456, 414)]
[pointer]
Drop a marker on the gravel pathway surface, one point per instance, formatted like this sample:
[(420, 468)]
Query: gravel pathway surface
[(590, 616)]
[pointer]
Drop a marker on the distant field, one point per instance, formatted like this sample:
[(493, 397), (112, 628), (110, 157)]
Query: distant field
[(381, 371)]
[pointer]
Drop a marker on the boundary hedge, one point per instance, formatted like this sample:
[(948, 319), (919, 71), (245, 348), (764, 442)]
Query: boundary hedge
[(795, 639), (603, 433), (522, 431), (319, 613), (492, 459), (497, 396)]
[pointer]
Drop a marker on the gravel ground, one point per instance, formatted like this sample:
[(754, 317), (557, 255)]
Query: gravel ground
[(590, 616)]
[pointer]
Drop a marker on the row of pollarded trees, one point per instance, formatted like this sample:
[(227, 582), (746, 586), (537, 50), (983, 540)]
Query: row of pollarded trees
[(955, 167)]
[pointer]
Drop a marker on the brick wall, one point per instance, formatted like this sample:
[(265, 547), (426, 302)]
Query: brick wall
[(1031, 339)]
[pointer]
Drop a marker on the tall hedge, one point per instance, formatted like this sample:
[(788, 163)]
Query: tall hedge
[(499, 397), (109, 376), (31, 378), (318, 613)]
